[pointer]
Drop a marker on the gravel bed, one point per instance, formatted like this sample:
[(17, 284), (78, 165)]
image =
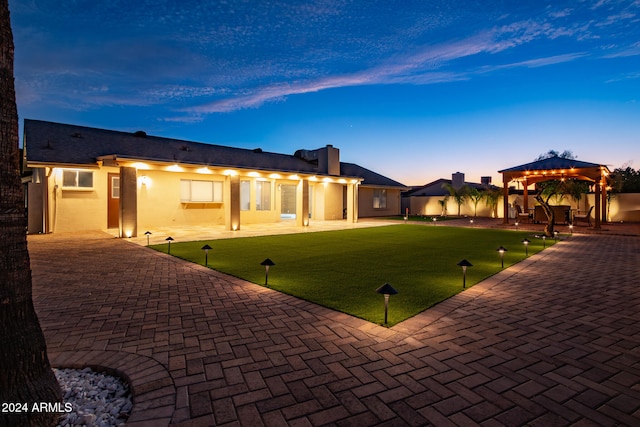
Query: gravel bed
[(97, 399)]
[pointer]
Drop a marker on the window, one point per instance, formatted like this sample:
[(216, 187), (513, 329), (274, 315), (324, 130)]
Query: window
[(200, 191), (263, 195), (245, 195), (77, 179), (379, 199), (115, 187)]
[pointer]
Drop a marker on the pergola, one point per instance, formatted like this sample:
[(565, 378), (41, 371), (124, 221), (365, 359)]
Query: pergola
[(558, 168)]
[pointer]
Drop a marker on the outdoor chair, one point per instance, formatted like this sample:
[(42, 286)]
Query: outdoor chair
[(521, 215), (586, 217)]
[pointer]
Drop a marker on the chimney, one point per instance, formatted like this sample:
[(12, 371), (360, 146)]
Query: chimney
[(485, 180), (457, 180), (329, 160)]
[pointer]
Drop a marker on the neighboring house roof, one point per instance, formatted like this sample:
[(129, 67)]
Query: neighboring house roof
[(435, 188), (371, 178), (48, 143)]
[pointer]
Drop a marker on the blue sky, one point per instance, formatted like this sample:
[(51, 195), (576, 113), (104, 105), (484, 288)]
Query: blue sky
[(415, 90)]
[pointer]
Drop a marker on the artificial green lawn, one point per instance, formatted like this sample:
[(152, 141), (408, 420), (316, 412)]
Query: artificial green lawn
[(342, 269)]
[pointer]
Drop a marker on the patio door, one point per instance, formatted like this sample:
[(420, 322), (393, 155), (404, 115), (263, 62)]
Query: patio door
[(113, 200), (288, 201)]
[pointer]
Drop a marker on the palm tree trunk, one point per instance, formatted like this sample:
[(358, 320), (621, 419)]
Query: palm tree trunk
[(25, 374), (548, 211)]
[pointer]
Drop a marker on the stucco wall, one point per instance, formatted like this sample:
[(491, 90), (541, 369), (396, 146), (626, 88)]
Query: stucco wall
[(77, 210), (365, 203), (159, 202), (624, 206)]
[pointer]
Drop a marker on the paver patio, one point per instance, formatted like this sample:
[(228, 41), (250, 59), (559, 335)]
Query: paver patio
[(554, 340)]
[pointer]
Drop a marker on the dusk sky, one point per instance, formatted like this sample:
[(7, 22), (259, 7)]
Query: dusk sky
[(414, 90)]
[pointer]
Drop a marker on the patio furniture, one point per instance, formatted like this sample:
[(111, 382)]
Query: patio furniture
[(520, 215), (586, 217), (560, 213)]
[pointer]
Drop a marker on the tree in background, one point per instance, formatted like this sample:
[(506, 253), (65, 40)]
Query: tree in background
[(25, 373), (475, 196), (458, 194), (492, 197), (626, 179)]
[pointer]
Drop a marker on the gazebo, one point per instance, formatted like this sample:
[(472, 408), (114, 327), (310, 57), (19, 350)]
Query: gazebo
[(559, 168)]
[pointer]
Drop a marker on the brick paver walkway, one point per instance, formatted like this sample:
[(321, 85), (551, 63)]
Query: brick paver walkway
[(552, 341)]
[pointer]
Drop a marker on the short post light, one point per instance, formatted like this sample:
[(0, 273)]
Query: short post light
[(526, 242), (544, 241), (471, 222), (555, 236), (464, 264), (517, 224), (147, 233), (435, 220), (570, 229), (206, 248), (267, 263), (387, 290), (502, 250), (169, 240)]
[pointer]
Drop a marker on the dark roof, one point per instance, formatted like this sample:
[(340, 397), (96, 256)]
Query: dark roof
[(551, 163), (64, 144), (370, 177), (435, 188)]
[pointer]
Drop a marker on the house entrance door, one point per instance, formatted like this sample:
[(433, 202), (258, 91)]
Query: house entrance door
[(113, 201), (288, 202)]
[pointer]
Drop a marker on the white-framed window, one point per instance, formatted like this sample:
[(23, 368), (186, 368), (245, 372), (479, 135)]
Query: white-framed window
[(115, 187), (200, 191), (77, 179), (379, 198), (245, 195), (263, 195)]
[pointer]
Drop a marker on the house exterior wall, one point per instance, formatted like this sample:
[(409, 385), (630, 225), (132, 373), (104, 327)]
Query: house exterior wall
[(333, 201), (77, 210), (159, 201), (365, 203)]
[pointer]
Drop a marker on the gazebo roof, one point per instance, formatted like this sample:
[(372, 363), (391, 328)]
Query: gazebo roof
[(555, 168)]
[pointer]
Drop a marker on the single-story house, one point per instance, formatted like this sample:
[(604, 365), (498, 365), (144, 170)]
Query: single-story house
[(94, 179)]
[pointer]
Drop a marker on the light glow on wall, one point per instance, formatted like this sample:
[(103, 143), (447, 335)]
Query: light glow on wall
[(174, 168), (254, 174), (141, 166), (275, 176), (230, 172), (204, 170)]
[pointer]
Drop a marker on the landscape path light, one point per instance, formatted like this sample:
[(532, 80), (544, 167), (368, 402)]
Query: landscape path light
[(570, 229), (267, 263), (147, 233), (169, 240), (206, 248), (464, 264), (555, 236), (387, 290), (517, 224), (544, 241), (502, 250), (526, 246), (471, 222)]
